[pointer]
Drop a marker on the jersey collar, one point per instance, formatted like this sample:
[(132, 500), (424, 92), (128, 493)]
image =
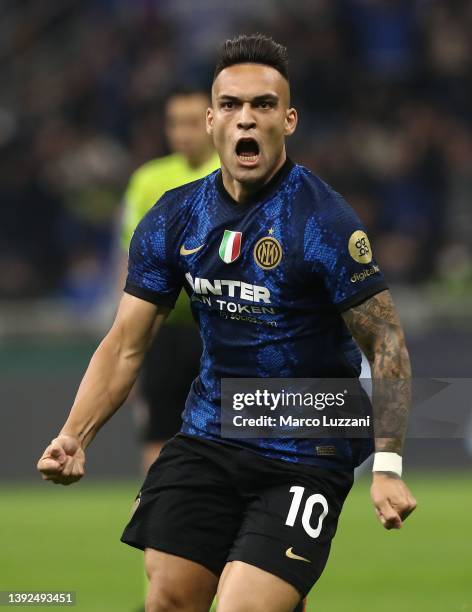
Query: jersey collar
[(263, 194)]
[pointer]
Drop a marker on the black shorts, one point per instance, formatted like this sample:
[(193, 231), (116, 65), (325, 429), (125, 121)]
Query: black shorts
[(170, 365), (212, 503)]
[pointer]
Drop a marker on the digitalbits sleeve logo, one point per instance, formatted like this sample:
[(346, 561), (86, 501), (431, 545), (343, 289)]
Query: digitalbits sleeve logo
[(359, 247)]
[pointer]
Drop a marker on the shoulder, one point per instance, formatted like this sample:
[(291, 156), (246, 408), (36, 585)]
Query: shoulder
[(329, 221), (324, 207), (188, 195), (318, 195), (186, 191), (175, 204)]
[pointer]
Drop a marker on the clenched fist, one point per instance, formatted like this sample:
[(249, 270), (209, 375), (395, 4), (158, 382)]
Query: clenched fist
[(63, 460), (392, 500)]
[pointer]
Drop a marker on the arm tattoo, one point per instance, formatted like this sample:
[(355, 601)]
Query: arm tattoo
[(375, 326)]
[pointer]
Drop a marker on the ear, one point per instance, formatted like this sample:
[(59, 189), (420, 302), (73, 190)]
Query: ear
[(209, 121), (291, 120)]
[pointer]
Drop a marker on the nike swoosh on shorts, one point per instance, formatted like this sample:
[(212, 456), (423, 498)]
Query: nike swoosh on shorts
[(291, 555)]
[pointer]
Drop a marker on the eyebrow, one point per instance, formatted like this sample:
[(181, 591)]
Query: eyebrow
[(262, 98)]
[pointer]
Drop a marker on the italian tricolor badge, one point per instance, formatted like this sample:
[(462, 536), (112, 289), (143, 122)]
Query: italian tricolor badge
[(230, 247)]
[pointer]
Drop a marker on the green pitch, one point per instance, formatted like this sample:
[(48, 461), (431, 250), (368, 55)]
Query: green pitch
[(67, 538)]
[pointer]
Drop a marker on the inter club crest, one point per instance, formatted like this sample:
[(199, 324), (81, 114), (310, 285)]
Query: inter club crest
[(268, 252)]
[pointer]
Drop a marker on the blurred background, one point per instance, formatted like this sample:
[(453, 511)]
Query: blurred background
[(384, 92)]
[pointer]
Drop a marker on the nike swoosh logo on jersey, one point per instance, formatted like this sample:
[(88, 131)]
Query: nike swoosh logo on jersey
[(291, 555), (184, 251)]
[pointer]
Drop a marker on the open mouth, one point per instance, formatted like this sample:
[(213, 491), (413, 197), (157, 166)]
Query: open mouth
[(247, 150)]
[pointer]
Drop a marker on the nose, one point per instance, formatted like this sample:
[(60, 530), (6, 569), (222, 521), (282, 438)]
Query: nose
[(246, 119)]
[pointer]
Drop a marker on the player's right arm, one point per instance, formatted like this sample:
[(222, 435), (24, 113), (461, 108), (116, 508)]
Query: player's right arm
[(105, 386), (152, 287)]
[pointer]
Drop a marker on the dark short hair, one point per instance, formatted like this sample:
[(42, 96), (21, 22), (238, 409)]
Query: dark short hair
[(253, 49)]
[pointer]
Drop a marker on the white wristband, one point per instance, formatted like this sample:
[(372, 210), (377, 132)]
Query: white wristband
[(388, 462)]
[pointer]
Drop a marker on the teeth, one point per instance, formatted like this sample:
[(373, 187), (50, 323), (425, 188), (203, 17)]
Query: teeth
[(249, 158)]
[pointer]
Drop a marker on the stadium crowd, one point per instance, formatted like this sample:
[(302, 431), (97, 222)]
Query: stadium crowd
[(383, 87)]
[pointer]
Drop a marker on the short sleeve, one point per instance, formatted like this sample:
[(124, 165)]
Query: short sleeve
[(151, 273), (337, 249)]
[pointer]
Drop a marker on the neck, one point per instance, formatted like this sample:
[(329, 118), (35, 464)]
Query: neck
[(243, 191)]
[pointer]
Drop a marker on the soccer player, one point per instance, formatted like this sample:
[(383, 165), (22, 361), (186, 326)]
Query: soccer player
[(164, 385), (283, 284)]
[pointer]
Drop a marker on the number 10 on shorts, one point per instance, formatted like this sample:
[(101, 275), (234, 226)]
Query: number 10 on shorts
[(317, 498)]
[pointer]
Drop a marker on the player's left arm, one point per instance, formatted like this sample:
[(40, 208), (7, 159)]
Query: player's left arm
[(376, 327)]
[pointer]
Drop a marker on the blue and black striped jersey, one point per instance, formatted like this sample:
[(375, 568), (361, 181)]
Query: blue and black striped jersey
[(268, 280)]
